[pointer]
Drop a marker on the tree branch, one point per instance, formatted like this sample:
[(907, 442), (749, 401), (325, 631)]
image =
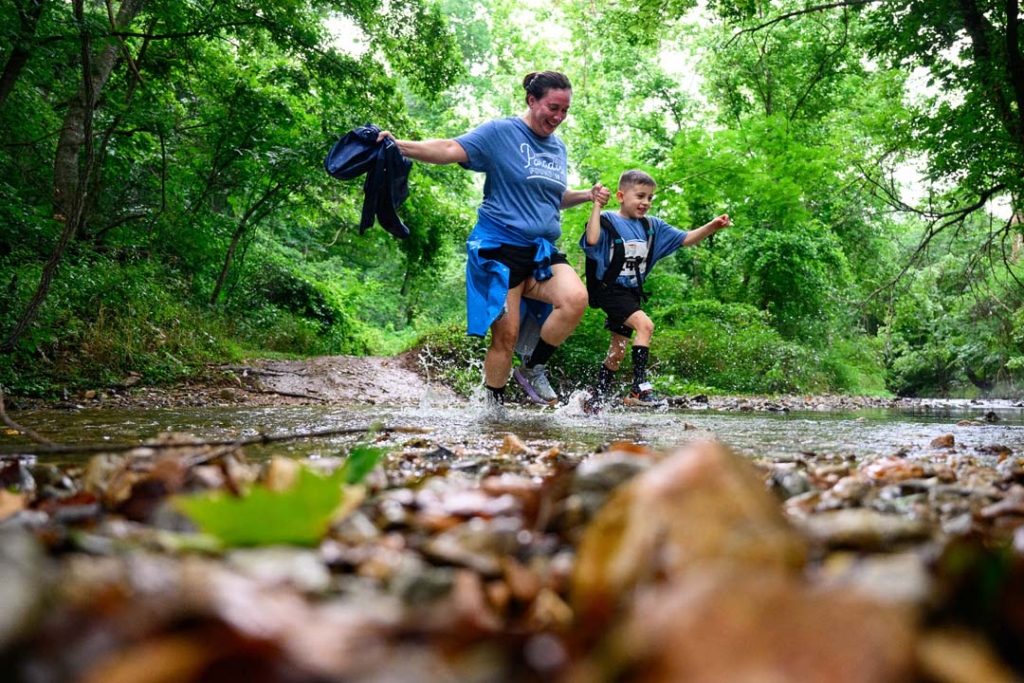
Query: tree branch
[(24, 430), (83, 449), (797, 13)]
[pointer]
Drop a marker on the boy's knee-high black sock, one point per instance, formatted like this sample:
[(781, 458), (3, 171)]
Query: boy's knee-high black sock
[(640, 354), (541, 354), (604, 380)]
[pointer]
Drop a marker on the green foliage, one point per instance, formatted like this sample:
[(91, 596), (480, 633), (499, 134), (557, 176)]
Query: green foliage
[(300, 515), (105, 319), (941, 339), (210, 229)]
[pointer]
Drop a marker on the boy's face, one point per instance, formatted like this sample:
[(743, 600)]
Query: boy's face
[(635, 200)]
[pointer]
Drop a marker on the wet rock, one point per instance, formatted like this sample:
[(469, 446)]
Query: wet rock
[(478, 544), (15, 476), (301, 569), (595, 478), (956, 656), (281, 473), (100, 474), (746, 626), (54, 478), (11, 503), (355, 528), (24, 582), (892, 579), (826, 476), (701, 504), (850, 489), (892, 469), (944, 441), (1012, 504), (787, 482), (1010, 469), (524, 584), (861, 528), (418, 583), (549, 612), (513, 445)]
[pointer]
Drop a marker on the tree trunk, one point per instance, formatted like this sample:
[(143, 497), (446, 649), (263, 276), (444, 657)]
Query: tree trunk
[(243, 225), (69, 169), (29, 19)]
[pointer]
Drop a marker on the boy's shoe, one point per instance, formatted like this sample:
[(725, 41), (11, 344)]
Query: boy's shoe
[(534, 382), (592, 403), (645, 398)]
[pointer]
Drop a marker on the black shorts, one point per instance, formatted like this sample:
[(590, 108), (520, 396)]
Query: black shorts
[(519, 261), (618, 303)]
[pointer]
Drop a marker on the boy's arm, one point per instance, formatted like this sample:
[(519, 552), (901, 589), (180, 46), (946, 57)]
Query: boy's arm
[(594, 222), (706, 230)]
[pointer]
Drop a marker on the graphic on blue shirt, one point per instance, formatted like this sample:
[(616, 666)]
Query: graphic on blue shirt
[(526, 175), (544, 166), (665, 243)]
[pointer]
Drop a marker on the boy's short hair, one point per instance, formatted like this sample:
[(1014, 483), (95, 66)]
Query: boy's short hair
[(635, 177)]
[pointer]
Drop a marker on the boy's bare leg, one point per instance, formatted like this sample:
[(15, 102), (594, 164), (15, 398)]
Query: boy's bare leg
[(616, 351), (643, 326)]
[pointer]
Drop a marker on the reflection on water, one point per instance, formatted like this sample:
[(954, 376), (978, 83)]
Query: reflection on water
[(786, 435)]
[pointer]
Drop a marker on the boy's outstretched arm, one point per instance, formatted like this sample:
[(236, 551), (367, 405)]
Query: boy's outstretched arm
[(706, 230), (594, 222)]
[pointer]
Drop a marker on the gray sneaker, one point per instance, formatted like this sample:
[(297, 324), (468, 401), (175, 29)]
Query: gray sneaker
[(535, 383)]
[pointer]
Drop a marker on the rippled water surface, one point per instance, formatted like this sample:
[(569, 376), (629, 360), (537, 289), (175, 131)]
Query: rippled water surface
[(780, 435)]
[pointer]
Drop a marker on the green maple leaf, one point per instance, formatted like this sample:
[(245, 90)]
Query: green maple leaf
[(299, 516)]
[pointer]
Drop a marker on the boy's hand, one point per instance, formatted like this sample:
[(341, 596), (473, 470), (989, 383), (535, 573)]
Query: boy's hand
[(720, 222), (599, 194)]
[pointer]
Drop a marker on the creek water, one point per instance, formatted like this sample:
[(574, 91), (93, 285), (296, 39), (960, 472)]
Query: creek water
[(780, 436)]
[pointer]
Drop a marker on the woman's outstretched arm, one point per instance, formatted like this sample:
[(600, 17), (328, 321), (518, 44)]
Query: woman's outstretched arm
[(430, 151)]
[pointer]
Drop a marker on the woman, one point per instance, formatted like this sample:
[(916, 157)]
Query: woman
[(511, 250)]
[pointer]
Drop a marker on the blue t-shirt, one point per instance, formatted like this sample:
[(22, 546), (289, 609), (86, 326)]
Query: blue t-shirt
[(665, 242), (526, 175)]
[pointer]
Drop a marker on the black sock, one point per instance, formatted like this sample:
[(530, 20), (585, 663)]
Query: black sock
[(640, 354), (541, 354), (497, 393), (604, 380)]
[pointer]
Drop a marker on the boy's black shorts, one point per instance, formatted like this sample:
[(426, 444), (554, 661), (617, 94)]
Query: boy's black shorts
[(618, 303), (519, 261)]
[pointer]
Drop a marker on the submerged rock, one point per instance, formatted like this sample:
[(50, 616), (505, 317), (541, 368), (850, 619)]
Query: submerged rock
[(861, 528)]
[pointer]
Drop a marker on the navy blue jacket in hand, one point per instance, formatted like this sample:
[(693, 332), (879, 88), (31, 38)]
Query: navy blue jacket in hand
[(387, 176)]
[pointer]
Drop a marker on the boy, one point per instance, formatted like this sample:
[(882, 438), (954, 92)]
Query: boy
[(621, 249)]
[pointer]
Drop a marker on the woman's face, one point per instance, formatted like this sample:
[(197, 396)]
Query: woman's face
[(548, 112)]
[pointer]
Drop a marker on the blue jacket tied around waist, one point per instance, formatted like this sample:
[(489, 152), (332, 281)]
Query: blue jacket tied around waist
[(387, 176), (487, 280)]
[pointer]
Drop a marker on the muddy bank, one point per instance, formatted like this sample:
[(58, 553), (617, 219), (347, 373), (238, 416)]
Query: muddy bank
[(374, 380), (391, 380)]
